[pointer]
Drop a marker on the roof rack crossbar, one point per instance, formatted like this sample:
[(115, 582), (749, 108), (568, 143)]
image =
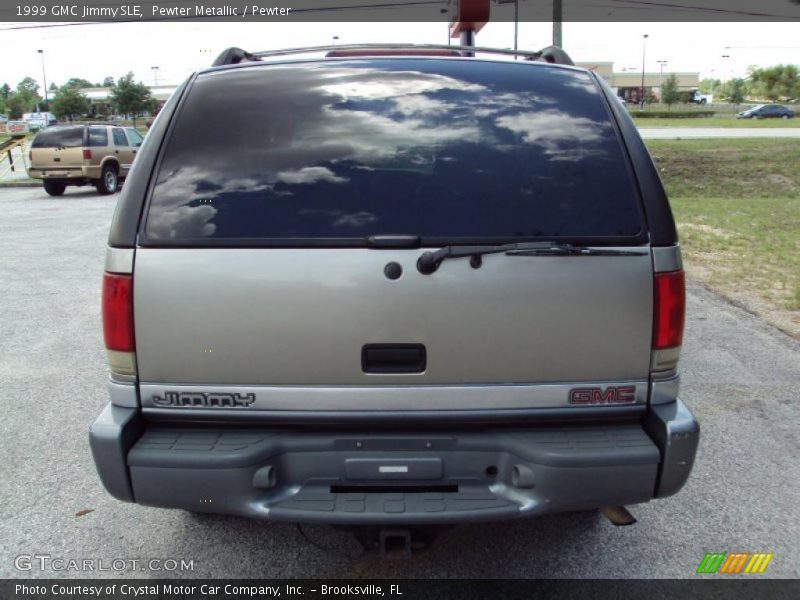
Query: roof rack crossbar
[(551, 54)]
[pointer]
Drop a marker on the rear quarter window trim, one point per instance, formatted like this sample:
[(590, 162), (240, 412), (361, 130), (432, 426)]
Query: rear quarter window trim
[(119, 138), (131, 207), (101, 132), (653, 197), (145, 241)]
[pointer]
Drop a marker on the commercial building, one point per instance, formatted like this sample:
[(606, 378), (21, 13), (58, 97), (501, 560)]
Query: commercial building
[(100, 97), (628, 82)]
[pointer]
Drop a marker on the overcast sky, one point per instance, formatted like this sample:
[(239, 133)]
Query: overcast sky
[(97, 50)]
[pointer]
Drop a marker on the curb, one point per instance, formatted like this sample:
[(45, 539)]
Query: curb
[(13, 184)]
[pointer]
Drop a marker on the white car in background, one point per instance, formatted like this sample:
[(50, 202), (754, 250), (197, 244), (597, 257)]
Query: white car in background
[(39, 120)]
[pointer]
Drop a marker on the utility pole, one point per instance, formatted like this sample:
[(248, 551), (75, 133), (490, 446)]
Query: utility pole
[(661, 64), (44, 78), (644, 44), (516, 20), (557, 19), (155, 75), (470, 17), (467, 38)]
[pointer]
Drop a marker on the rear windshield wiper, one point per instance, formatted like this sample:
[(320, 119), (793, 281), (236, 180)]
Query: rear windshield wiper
[(429, 261)]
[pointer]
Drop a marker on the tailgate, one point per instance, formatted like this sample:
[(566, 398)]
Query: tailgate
[(303, 316), (56, 159), (58, 148)]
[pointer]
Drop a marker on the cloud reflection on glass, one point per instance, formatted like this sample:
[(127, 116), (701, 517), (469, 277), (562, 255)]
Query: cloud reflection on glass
[(349, 149)]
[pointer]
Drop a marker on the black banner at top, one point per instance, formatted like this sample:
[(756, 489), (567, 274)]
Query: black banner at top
[(398, 10)]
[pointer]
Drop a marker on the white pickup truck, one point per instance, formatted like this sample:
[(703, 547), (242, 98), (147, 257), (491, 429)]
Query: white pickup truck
[(39, 120)]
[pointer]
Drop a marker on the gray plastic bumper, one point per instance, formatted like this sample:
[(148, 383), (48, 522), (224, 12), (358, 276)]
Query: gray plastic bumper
[(394, 477), (677, 434), (110, 437)]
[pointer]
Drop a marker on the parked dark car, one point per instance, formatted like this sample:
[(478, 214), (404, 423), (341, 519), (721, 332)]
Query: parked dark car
[(767, 111)]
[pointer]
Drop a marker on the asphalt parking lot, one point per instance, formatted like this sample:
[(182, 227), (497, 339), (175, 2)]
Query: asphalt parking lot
[(740, 377)]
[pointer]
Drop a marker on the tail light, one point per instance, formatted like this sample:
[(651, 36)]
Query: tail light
[(87, 154), (669, 313), (118, 322)]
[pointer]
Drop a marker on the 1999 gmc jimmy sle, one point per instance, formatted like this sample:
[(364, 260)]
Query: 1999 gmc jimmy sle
[(393, 290)]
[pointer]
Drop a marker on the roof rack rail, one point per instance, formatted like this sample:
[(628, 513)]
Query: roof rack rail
[(551, 54), (556, 55), (232, 56), (351, 53)]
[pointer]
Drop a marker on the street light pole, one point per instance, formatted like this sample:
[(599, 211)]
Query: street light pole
[(44, 78), (661, 72), (516, 26), (661, 64), (155, 74), (516, 21), (557, 24), (644, 44), (726, 71)]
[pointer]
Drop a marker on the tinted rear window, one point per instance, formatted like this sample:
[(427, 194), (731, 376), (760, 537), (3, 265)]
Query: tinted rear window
[(134, 136), (59, 137), (447, 150), (119, 137), (98, 136)]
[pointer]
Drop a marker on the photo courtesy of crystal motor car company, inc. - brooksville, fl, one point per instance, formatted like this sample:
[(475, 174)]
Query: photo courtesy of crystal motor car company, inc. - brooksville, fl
[(258, 591)]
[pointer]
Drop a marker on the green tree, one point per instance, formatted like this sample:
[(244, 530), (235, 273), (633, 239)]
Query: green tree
[(24, 98), (29, 86), (669, 91), (2, 105), (69, 102), (130, 97), (736, 90), (77, 82), (709, 86), (5, 91), (776, 81), (16, 105), (108, 82), (789, 81)]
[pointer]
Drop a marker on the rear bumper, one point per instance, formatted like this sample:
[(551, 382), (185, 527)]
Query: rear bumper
[(347, 477), (67, 173)]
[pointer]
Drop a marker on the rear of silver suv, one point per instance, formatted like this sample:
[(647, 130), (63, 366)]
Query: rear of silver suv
[(393, 290)]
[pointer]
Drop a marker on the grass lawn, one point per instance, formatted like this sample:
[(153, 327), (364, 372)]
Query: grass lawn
[(737, 204), (725, 121)]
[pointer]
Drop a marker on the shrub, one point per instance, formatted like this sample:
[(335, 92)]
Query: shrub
[(671, 114)]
